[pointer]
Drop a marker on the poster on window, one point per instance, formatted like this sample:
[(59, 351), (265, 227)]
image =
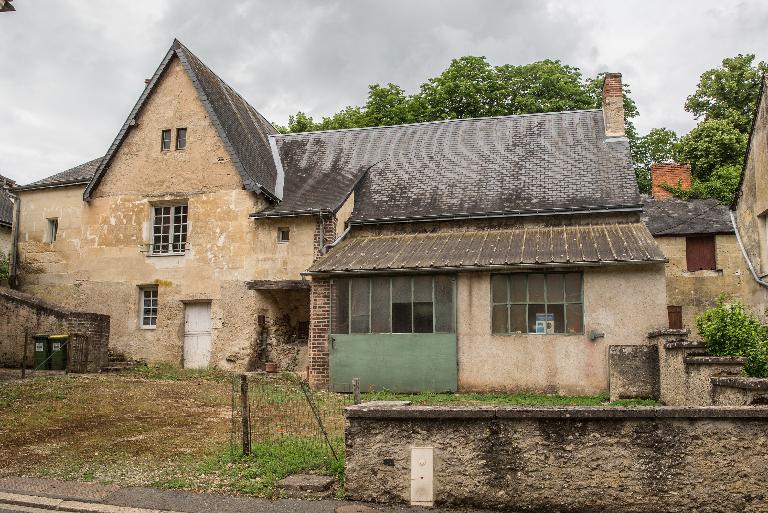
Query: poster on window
[(545, 323)]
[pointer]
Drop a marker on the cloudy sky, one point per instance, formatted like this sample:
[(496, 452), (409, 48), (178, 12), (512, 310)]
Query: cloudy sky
[(71, 70)]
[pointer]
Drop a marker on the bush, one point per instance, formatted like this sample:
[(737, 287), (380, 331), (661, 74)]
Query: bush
[(729, 329), (4, 268)]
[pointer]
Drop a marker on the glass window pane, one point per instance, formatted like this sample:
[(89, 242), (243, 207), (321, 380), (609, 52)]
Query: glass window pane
[(535, 288), (555, 288), (401, 305), (340, 306), (380, 304), (574, 318), (360, 305), (422, 289), (444, 304), (499, 319), (537, 318), (557, 315), (499, 288), (517, 319), (422, 317), (517, 284), (573, 287)]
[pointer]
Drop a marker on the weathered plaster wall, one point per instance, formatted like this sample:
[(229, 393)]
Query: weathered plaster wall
[(624, 302), (99, 260), (5, 241), (753, 206), (697, 291), (621, 460)]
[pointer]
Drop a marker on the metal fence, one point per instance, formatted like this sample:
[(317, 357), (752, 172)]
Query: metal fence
[(276, 409)]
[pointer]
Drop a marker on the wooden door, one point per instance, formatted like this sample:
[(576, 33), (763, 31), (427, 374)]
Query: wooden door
[(197, 335)]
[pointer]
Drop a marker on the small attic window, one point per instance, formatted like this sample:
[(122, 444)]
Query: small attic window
[(165, 140), (283, 234), (181, 138)]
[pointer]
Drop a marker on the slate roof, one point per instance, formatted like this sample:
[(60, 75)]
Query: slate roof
[(533, 246), (81, 174), (243, 130), (558, 161), (672, 216)]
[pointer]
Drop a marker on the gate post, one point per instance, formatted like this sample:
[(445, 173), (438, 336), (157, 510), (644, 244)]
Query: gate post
[(246, 414)]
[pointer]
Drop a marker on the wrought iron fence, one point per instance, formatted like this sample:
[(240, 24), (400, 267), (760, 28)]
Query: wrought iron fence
[(285, 409)]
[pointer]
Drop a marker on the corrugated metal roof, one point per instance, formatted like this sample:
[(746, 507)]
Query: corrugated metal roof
[(551, 245)]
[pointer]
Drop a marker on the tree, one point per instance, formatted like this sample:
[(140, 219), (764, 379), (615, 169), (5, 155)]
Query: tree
[(714, 143), (728, 92)]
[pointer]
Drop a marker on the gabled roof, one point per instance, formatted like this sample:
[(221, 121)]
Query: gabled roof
[(77, 175), (672, 216), (510, 165), (243, 130)]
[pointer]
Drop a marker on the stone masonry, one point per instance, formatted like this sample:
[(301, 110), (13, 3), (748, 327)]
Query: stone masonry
[(319, 330)]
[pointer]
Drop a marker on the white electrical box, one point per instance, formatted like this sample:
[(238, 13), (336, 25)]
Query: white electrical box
[(422, 476)]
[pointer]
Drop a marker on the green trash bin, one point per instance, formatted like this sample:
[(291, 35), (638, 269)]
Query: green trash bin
[(42, 351), (59, 348)]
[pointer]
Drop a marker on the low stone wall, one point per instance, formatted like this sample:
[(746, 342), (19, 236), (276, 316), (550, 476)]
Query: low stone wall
[(24, 316), (739, 391), (633, 372), (564, 459)]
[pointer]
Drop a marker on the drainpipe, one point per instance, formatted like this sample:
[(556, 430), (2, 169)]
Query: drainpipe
[(12, 281), (324, 249), (744, 252)]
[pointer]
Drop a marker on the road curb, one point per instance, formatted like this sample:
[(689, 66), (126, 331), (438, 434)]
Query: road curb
[(15, 499)]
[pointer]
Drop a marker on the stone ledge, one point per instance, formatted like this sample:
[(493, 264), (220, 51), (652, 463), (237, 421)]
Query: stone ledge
[(668, 333), (714, 360), (574, 412), (760, 384), (684, 344)]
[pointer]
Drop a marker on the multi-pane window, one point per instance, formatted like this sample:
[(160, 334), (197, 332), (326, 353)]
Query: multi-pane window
[(181, 138), (537, 303), (148, 307), (283, 234), (169, 229), (165, 140), (398, 304)]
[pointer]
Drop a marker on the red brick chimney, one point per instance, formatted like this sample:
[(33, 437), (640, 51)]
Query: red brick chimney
[(672, 174), (613, 105)]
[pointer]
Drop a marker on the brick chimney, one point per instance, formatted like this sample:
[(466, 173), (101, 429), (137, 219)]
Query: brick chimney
[(613, 105), (672, 174)]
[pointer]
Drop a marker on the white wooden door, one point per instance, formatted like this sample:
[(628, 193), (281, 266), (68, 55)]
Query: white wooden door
[(197, 335)]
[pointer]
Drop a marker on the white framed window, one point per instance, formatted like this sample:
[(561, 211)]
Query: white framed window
[(148, 307), (283, 234), (52, 230), (169, 230), (165, 140), (181, 138)]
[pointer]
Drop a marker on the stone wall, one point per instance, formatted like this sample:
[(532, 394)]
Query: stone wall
[(633, 372), (24, 316), (564, 459)]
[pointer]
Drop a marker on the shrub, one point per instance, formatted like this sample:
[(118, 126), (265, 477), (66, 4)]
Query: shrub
[(729, 329), (4, 268)]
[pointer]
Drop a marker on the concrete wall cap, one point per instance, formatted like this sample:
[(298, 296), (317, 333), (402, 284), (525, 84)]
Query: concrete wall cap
[(668, 332), (741, 382), (715, 360)]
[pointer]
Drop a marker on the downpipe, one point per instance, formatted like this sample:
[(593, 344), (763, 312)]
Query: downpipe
[(744, 252)]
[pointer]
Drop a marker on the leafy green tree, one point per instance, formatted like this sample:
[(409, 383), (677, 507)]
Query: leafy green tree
[(388, 105), (714, 143), (721, 185), (729, 92)]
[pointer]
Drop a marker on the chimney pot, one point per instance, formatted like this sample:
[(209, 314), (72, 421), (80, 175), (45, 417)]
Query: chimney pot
[(613, 105), (671, 174)]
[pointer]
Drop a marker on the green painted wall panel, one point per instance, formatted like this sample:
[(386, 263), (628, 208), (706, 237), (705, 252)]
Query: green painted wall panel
[(418, 362)]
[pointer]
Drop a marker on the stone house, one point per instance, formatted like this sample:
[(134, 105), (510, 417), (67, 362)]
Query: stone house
[(157, 233), (501, 253), (698, 239), (750, 209), (6, 215)]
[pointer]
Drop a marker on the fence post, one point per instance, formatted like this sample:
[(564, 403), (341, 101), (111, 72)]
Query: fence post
[(356, 389), (24, 355), (245, 414)]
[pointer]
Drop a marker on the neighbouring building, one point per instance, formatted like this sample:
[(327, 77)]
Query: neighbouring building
[(698, 239), (750, 209), (502, 253), (6, 216)]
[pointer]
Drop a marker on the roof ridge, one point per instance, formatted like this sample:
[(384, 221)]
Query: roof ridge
[(439, 121)]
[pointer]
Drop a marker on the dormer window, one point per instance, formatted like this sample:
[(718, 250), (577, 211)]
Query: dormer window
[(181, 138), (165, 140)]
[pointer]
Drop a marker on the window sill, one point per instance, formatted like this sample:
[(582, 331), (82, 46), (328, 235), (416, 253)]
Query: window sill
[(148, 327), (165, 254), (703, 273)]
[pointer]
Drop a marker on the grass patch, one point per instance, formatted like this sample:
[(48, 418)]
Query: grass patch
[(169, 372), (500, 399)]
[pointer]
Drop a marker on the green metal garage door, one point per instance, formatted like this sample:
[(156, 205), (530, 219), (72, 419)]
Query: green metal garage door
[(423, 362)]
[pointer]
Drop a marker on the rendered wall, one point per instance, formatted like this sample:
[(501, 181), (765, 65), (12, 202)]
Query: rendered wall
[(99, 260), (5, 241), (623, 302), (697, 291), (639, 460)]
